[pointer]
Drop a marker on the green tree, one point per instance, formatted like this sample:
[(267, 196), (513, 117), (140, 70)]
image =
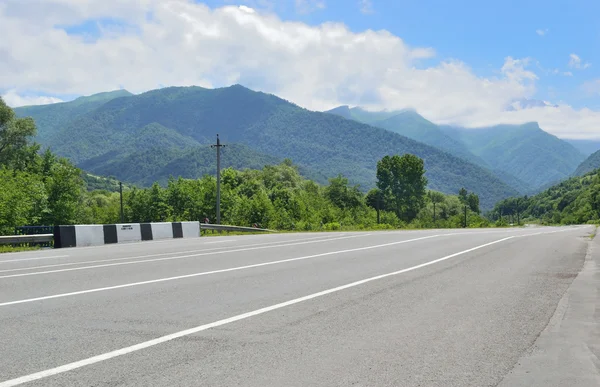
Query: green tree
[(341, 194), (436, 198), (15, 133), (463, 196), (473, 202), (402, 179), (159, 210), (374, 199), (64, 187)]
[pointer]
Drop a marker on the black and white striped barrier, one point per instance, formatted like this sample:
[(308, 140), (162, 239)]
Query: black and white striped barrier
[(96, 235)]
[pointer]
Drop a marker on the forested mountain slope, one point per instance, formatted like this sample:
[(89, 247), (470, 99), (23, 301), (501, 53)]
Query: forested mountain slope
[(525, 151), (589, 164), (178, 118), (52, 118), (573, 201)]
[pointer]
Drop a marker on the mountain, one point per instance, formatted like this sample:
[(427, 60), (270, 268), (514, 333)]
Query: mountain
[(142, 136), (587, 147), (51, 118), (412, 125), (158, 163), (524, 151), (362, 115), (589, 164)]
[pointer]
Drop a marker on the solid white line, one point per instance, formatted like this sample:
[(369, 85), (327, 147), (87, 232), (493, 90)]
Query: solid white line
[(174, 258), (208, 272), (187, 332), (318, 239), (34, 259)]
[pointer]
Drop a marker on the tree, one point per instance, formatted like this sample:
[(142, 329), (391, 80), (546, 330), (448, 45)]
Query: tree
[(374, 199), (15, 150), (341, 194), (436, 198), (473, 202), (403, 181), (64, 187), (462, 196)]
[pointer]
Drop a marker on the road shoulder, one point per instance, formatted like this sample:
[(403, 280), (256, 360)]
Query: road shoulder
[(566, 352)]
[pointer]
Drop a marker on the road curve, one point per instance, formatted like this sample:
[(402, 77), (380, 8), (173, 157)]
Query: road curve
[(400, 308)]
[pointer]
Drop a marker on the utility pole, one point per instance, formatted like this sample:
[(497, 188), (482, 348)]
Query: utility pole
[(218, 146), (121, 196), (378, 206), (465, 216)]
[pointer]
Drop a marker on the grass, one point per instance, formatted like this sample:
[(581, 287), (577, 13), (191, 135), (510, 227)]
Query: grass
[(593, 234), (11, 249)]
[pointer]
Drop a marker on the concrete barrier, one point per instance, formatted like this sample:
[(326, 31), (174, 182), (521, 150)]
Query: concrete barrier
[(96, 235), (89, 235)]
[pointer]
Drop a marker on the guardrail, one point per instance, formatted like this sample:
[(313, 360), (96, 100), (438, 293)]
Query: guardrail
[(18, 239), (223, 227)]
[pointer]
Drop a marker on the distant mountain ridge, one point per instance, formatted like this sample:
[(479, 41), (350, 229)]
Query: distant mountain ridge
[(525, 151), (412, 125), (523, 156), (587, 147), (588, 165), (153, 129)]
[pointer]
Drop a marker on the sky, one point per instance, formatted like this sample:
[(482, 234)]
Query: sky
[(464, 62)]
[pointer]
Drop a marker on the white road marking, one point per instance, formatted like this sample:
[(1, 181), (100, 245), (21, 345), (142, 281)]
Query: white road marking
[(34, 259), (200, 328), (176, 257), (315, 240), (209, 272)]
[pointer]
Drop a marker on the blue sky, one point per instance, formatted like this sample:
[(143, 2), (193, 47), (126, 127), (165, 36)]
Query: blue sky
[(462, 62), (481, 33)]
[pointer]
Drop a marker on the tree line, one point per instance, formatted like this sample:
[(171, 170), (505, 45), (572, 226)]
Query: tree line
[(574, 201), (39, 188)]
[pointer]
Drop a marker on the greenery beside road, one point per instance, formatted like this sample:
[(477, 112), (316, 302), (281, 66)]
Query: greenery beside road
[(39, 188), (574, 201)]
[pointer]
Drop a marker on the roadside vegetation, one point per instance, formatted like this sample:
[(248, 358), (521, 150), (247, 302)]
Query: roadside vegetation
[(39, 188), (574, 201)]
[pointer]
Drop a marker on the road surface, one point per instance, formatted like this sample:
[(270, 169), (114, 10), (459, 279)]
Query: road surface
[(506, 307)]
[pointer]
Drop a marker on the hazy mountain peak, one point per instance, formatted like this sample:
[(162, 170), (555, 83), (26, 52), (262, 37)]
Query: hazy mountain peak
[(524, 103), (342, 111), (104, 96)]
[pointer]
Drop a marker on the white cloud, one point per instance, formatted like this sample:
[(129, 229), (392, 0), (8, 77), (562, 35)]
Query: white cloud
[(13, 99), (576, 63), (366, 6), (308, 6), (541, 32), (180, 42)]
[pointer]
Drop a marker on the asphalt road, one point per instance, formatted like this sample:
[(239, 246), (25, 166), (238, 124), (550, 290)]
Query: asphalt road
[(409, 308)]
